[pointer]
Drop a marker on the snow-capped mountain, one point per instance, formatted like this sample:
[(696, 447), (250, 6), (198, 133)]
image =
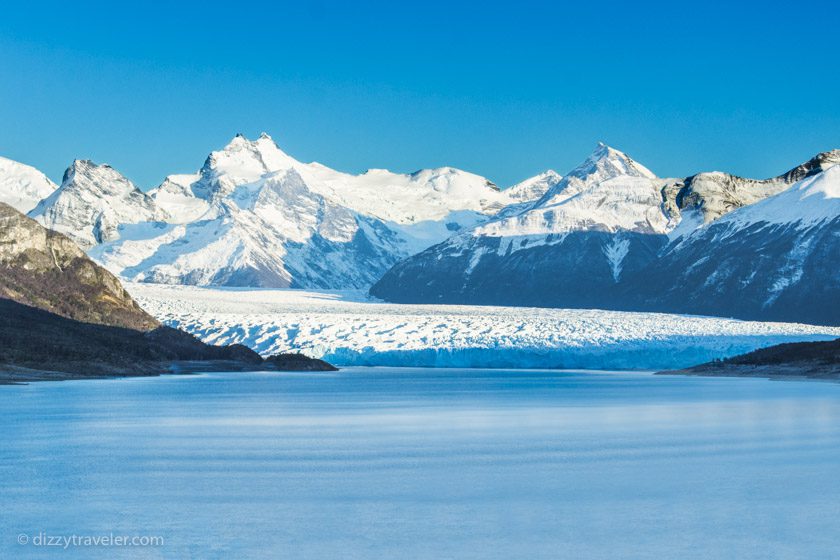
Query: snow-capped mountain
[(255, 216), (22, 186), (603, 218), (776, 259), (611, 235), (92, 202)]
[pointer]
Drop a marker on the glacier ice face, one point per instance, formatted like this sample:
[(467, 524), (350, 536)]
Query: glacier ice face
[(346, 328)]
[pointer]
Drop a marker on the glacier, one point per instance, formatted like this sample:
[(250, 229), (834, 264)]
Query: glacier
[(349, 328)]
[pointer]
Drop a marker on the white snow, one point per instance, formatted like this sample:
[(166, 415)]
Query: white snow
[(535, 187), (348, 329), (608, 192), (175, 194), (615, 253), (276, 221), (22, 186), (92, 202), (428, 194), (809, 202)]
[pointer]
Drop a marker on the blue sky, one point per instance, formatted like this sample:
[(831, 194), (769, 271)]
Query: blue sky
[(501, 89)]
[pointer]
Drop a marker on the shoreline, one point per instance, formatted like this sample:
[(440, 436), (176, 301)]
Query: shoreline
[(828, 373), (18, 375)]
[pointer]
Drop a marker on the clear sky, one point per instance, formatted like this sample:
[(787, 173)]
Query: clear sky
[(505, 90)]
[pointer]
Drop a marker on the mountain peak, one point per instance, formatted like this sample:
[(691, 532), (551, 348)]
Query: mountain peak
[(605, 159), (816, 164), (84, 172), (243, 161)]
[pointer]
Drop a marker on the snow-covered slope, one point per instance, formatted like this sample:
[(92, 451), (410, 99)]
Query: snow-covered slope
[(535, 187), (705, 197), (809, 203), (345, 329), (92, 202), (777, 259), (523, 195), (602, 219), (607, 192), (22, 186), (255, 216)]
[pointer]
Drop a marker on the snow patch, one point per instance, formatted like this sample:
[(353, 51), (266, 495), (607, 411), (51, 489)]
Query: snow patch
[(615, 252)]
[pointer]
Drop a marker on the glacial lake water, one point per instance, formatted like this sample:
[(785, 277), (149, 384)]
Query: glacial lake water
[(423, 463)]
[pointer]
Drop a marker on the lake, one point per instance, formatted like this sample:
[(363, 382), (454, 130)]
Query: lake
[(422, 463)]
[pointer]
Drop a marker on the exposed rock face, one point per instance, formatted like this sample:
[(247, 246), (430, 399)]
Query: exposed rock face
[(715, 194), (92, 202), (45, 269)]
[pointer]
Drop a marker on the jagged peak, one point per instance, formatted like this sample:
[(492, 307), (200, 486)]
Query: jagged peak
[(602, 164), (240, 141), (89, 168), (816, 164), (247, 159)]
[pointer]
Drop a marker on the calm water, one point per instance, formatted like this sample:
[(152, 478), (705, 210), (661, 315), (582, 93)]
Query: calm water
[(408, 463)]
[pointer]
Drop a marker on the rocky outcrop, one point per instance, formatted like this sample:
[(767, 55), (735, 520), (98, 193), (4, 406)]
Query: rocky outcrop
[(45, 269), (774, 260), (715, 194)]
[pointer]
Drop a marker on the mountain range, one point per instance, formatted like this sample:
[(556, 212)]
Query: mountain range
[(609, 234), (612, 235), (254, 216)]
